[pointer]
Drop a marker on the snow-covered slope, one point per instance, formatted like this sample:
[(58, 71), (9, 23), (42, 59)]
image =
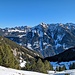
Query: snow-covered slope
[(65, 72), (8, 71), (66, 64), (48, 39)]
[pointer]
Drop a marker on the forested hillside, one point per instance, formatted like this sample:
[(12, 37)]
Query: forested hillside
[(11, 53)]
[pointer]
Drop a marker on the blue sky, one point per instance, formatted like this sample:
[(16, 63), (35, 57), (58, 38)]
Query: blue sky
[(32, 12)]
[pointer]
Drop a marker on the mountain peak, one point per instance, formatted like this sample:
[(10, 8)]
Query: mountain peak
[(48, 39)]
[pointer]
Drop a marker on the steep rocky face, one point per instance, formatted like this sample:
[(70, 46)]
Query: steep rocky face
[(48, 39)]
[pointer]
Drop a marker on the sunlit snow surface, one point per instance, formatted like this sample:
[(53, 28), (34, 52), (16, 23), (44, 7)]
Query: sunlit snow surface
[(9, 71)]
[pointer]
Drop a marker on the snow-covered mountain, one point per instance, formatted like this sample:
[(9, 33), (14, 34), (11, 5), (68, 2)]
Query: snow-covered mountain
[(48, 39)]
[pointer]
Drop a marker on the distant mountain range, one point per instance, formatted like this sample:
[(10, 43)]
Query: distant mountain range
[(47, 39)]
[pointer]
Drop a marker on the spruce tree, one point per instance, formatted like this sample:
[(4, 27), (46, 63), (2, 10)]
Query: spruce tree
[(33, 67), (72, 66), (47, 66), (28, 66), (60, 68), (7, 58), (40, 66)]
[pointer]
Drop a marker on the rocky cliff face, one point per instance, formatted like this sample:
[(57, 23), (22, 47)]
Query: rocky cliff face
[(48, 39)]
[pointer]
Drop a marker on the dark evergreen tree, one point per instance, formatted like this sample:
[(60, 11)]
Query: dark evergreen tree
[(40, 66), (60, 68), (33, 67), (28, 66), (72, 66), (47, 66)]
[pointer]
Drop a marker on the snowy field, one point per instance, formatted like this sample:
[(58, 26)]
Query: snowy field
[(9, 71), (70, 72)]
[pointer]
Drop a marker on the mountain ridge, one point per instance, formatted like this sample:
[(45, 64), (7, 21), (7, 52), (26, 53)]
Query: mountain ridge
[(47, 39), (67, 55)]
